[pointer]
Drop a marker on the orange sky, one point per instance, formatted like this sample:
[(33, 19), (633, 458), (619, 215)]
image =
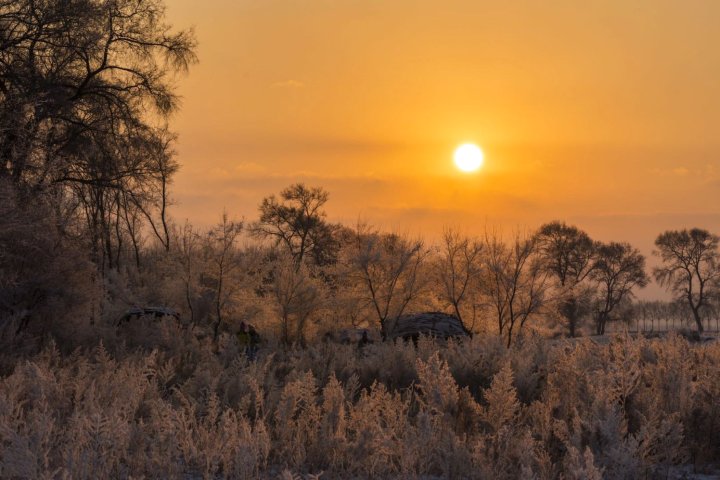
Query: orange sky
[(605, 114)]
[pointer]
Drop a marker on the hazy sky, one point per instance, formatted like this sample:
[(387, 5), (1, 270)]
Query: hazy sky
[(605, 113)]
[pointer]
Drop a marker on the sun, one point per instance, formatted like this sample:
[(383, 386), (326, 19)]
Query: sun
[(468, 157)]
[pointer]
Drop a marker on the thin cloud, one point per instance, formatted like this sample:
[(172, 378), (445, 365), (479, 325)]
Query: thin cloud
[(249, 168), (288, 84)]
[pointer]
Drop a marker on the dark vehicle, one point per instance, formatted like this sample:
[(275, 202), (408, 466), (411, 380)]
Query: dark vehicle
[(147, 312)]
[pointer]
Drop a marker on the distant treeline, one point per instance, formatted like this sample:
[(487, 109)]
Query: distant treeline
[(296, 276)]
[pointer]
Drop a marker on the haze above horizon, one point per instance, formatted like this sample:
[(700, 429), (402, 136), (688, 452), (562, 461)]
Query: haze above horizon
[(602, 114)]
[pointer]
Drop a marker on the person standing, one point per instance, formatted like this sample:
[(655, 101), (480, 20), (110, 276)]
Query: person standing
[(253, 343), (243, 337)]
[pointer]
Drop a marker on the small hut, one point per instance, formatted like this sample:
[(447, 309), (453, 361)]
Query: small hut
[(434, 324)]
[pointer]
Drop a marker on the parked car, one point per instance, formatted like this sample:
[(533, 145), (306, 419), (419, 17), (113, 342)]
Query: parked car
[(147, 312)]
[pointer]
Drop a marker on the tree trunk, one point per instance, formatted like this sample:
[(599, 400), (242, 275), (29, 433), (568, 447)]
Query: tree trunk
[(698, 319), (189, 303), (285, 334), (600, 324)]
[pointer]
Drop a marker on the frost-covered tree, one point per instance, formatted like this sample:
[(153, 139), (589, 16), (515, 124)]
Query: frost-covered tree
[(568, 253), (188, 258), (619, 267), (690, 269), (85, 91), (388, 266), (297, 296), (296, 222), (47, 284), (224, 260), (458, 269), (515, 282)]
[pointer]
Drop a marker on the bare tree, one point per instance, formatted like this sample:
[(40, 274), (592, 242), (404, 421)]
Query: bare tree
[(459, 267), (388, 266), (618, 269), (152, 197), (515, 283), (224, 259), (298, 297), (691, 267), (187, 254), (568, 255), (297, 222)]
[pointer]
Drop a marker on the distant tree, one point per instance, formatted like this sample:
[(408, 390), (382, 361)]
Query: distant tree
[(691, 267), (296, 222), (298, 296), (388, 268), (515, 282), (458, 268), (346, 288), (568, 255), (662, 315), (224, 261), (618, 269), (188, 257)]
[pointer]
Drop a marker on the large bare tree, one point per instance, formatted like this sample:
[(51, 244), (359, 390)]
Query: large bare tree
[(459, 269), (389, 268), (691, 267), (515, 282), (85, 91)]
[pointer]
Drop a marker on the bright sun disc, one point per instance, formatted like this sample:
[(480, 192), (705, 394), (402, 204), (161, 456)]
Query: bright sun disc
[(468, 157)]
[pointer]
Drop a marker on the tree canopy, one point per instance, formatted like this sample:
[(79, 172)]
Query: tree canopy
[(85, 89), (691, 267), (618, 269), (568, 254), (297, 222)]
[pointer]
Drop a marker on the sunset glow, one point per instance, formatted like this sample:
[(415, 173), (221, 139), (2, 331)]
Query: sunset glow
[(608, 124)]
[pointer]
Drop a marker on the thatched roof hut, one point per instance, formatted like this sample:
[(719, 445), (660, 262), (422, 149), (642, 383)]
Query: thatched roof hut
[(435, 324)]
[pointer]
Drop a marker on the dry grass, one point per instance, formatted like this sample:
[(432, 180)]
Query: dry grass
[(630, 409)]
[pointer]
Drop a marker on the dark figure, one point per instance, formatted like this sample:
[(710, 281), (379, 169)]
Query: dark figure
[(253, 344), (364, 340), (244, 340)]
